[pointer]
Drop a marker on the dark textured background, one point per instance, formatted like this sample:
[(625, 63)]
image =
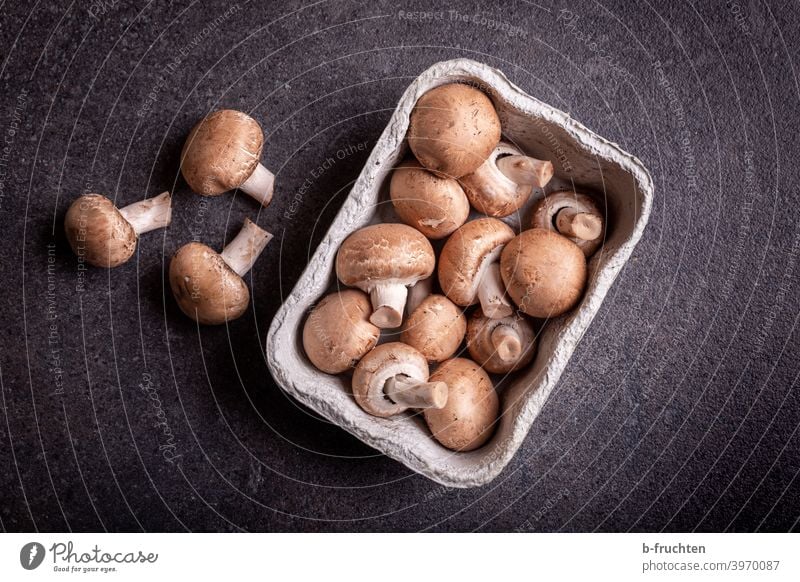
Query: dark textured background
[(679, 410)]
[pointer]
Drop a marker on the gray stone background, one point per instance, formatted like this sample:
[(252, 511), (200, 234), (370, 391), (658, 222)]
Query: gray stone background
[(679, 410)]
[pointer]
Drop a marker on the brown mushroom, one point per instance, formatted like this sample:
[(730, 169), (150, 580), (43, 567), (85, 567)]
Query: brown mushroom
[(500, 345), (505, 181), (337, 333), (469, 268), (223, 152), (207, 286), (434, 205), (574, 215), (468, 419), (544, 272), (383, 260), (435, 328), (453, 129), (393, 378), (106, 236)]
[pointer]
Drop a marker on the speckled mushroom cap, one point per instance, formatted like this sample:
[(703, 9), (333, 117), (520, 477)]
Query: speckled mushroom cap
[(205, 287), (453, 129), (436, 328), (98, 232), (465, 254), (482, 349), (384, 362), (389, 252), (546, 210), (221, 152), (434, 205), (544, 272), (490, 191), (468, 419), (338, 333)]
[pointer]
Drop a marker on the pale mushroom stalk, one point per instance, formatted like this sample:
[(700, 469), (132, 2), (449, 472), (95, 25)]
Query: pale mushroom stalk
[(402, 389), (150, 214), (241, 253), (526, 170), (507, 342), (418, 292), (388, 304), (582, 225), (491, 292), (260, 185)]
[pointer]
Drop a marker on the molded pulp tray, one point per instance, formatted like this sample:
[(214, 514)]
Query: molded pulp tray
[(580, 157)]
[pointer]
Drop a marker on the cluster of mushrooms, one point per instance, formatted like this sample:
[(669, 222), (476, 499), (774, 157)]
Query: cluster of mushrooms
[(221, 153), (459, 162)]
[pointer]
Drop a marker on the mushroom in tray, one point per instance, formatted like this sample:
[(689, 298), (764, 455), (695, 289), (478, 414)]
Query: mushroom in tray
[(468, 418), (338, 332), (106, 236), (574, 215), (208, 286), (453, 129), (469, 268), (500, 345), (393, 378), (383, 260), (544, 272), (435, 328), (434, 205), (505, 181), (223, 152)]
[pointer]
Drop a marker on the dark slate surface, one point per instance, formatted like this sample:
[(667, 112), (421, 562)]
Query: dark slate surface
[(679, 410)]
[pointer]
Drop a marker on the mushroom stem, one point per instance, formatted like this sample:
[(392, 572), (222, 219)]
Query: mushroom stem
[(492, 295), (582, 225), (149, 214), (260, 185), (244, 249), (388, 303), (417, 294), (407, 391), (526, 170), (506, 341)]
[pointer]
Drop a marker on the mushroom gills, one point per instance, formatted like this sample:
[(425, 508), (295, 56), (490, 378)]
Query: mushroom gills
[(260, 185), (526, 170), (402, 389), (241, 253), (150, 214)]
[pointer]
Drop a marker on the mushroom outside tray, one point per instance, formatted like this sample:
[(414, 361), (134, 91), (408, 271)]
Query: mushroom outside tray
[(579, 156)]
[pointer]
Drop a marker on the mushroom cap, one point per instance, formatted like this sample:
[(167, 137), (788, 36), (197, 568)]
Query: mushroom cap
[(388, 253), (374, 369), (482, 348), (434, 205), (338, 333), (467, 420), (221, 152), (435, 328), (544, 272), (490, 191), (547, 209), (98, 232), (205, 287), (453, 129), (466, 254)]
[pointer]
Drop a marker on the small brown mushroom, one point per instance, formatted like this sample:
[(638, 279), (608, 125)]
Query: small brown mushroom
[(469, 268), (505, 181), (435, 328), (383, 260), (337, 333), (434, 205), (106, 236), (468, 419), (393, 378), (500, 345), (574, 215), (207, 286), (453, 129), (223, 152), (544, 272)]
